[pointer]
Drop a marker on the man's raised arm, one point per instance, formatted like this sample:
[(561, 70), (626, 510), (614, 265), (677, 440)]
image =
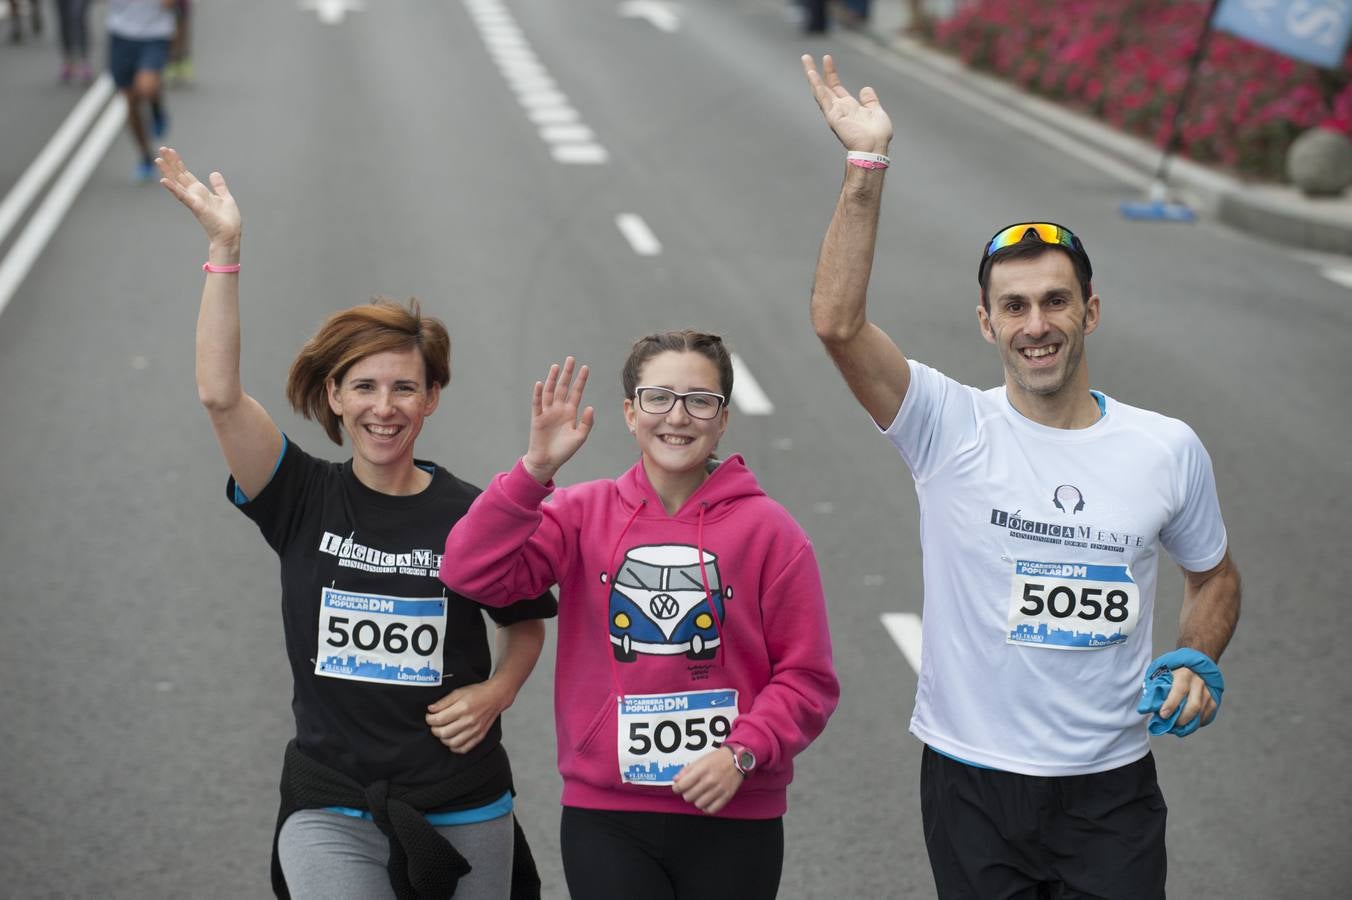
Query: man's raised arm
[(872, 364)]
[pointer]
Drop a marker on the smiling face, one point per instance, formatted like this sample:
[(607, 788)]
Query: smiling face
[(1038, 320), (675, 444), (382, 401)]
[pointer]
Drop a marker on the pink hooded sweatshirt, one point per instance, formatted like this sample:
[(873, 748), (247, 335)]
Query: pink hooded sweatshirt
[(672, 613)]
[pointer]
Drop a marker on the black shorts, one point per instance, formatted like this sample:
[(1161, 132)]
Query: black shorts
[(667, 856), (995, 835)]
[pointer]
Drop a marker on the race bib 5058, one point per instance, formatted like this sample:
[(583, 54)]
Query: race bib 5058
[(1072, 606)]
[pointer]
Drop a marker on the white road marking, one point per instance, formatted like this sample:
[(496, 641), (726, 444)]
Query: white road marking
[(28, 246), (332, 12), (905, 630), (566, 133), (580, 154), (638, 234), (662, 16), (539, 95), (1337, 276), (58, 148), (746, 391)]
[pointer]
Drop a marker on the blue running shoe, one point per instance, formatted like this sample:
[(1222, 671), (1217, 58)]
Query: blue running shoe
[(145, 171)]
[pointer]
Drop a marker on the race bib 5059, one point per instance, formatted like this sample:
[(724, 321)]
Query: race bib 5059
[(659, 734)]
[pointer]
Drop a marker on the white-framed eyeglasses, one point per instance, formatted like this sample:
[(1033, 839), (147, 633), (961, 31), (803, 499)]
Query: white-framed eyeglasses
[(659, 400)]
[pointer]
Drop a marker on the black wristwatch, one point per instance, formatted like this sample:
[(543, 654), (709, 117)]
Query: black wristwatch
[(742, 758)]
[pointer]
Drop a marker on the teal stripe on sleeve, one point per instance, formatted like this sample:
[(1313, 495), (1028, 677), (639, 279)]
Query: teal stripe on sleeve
[(240, 498)]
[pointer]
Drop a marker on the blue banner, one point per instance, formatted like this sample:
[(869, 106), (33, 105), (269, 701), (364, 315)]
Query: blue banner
[(1313, 31)]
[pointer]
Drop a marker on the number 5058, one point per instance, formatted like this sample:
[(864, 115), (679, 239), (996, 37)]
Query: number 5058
[(1062, 601)]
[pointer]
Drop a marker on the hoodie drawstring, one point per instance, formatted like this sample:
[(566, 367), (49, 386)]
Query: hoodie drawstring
[(704, 576), (610, 582)]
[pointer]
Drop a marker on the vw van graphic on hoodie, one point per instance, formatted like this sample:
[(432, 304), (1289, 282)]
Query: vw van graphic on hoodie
[(666, 599)]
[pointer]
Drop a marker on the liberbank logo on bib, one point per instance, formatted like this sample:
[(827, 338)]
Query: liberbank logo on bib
[(355, 555), (1087, 536)]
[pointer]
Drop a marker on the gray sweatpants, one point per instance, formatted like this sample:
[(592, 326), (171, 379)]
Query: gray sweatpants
[(327, 855)]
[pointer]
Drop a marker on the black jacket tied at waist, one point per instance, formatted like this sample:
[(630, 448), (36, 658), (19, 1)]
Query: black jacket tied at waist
[(423, 865)]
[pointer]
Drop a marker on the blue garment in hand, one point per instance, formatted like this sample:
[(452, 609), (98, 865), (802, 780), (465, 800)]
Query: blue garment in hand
[(1159, 679)]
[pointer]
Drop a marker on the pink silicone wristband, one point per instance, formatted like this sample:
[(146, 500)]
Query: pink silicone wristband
[(867, 163), (208, 267)]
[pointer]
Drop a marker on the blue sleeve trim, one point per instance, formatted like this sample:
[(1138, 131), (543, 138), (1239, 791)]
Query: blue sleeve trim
[(965, 762), (240, 498), (498, 808)]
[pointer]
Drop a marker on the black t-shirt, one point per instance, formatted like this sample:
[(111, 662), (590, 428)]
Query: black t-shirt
[(361, 601)]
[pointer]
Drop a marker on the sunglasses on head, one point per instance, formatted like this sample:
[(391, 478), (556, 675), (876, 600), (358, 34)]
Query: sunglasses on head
[(1045, 232)]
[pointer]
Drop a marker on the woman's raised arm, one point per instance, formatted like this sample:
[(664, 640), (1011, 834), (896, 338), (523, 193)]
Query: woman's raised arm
[(249, 439)]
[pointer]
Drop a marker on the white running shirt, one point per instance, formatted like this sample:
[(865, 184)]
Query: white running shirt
[(1041, 550)]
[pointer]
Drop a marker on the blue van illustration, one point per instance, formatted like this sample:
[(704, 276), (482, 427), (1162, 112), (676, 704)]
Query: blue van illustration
[(658, 605)]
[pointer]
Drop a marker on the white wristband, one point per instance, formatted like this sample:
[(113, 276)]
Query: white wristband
[(867, 160)]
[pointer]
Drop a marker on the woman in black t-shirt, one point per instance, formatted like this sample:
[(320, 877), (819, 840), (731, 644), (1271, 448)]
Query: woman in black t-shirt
[(396, 784)]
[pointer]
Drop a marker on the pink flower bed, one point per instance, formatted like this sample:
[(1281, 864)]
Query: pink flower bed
[(1125, 62)]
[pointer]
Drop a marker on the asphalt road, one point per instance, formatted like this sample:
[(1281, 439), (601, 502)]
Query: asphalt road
[(144, 696)]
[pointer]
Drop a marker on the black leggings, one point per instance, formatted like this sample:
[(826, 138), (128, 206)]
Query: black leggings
[(663, 856)]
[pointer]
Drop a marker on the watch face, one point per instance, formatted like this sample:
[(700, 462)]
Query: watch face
[(746, 760)]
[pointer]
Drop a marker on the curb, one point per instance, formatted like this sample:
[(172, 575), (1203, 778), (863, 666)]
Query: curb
[(1273, 212)]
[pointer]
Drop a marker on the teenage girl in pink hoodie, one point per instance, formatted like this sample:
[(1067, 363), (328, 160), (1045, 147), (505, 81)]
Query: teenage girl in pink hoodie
[(693, 661)]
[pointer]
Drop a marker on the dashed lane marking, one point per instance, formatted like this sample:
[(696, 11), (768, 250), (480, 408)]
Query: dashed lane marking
[(545, 105), (746, 391), (905, 630), (638, 234)]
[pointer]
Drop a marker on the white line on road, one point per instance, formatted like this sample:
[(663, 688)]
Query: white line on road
[(535, 90), (746, 391), (332, 12), (1337, 276), (662, 16), (57, 149), (905, 630), (30, 243), (638, 234)]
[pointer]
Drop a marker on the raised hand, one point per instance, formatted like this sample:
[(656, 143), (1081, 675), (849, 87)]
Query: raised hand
[(860, 124), (556, 429), (213, 207)]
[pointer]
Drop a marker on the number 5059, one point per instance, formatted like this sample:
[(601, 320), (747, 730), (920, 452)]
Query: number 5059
[(667, 735)]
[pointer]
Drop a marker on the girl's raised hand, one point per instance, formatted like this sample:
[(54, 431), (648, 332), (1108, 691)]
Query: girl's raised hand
[(556, 428), (213, 207)]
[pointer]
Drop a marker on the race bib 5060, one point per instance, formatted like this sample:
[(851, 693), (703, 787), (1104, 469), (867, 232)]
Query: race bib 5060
[(1072, 606), (372, 637)]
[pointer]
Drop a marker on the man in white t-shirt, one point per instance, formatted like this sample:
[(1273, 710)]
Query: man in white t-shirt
[(1044, 507)]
